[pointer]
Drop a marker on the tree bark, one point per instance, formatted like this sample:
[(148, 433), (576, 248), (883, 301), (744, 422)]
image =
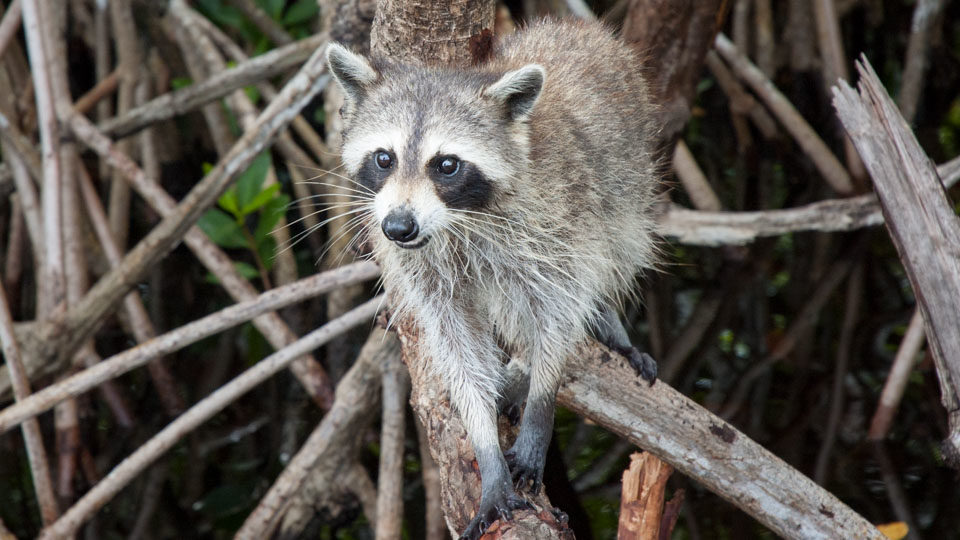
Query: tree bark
[(922, 223), (674, 37)]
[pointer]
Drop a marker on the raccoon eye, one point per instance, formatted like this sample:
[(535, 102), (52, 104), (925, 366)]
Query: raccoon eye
[(383, 159), (448, 166)]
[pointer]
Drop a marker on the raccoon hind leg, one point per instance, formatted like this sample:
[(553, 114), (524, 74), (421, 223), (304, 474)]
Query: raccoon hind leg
[(527, 456), (610, 331), (515, 388)]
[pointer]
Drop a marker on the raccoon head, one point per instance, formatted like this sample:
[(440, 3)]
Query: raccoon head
[(433, 147)]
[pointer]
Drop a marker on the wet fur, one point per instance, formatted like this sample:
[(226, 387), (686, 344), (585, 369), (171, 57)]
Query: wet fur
[(558, 225)]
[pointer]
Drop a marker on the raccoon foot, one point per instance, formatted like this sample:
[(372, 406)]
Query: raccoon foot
[(610, 331), (496, 508), (526, 469), (642, 363)]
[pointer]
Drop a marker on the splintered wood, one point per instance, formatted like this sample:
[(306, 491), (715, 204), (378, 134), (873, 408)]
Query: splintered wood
[(641, 500), (922, 223)]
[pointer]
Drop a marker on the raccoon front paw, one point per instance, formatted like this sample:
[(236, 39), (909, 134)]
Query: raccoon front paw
[(525, 469), (642, 363), (491, 511)]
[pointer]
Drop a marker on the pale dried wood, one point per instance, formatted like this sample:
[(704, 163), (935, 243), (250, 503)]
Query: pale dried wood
[(185, 335), (922, 222), (333, 443), (150, 451), (642, 496), (602, 387)]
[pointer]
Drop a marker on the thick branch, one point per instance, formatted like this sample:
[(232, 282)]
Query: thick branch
[(922, 223), (601, 386)]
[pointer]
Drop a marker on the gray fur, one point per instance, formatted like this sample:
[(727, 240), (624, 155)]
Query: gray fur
[(559, 125)]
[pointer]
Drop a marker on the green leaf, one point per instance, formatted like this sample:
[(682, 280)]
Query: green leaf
[(267, 250), (249, 183), (222, 229), (246, 270), (228, 201), (180, 82), (273, 7), (252, 93), (261, 199), (301, 11), (275, 209)]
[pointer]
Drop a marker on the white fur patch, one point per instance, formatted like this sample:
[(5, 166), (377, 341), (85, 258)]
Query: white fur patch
[(359, 148), (446, 143)]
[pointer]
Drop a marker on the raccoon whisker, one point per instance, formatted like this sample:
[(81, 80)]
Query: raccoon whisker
[(366, 191), (303, 234), (354, 239), (347, 228), (343, 195), (547, 260), (328, 220), (337, 175)]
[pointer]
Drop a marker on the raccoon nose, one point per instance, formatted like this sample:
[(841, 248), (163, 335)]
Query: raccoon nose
[(400, 226)]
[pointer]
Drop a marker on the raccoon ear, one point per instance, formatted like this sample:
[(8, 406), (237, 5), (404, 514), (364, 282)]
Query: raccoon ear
[(352, 71), (518, 90)]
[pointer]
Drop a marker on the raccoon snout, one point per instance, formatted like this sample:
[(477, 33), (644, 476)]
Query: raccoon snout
[(400, 226)]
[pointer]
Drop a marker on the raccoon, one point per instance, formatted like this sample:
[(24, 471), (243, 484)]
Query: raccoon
[(515, 202)]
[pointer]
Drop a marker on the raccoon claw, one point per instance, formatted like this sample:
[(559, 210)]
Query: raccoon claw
[(526, 476), (642, 363), (491, 512)]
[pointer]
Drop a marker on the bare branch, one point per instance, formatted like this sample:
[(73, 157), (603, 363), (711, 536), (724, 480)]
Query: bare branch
[(182, 337), (601, 386), (396, 388), (216, 86), (808, 140), (36, 454), (897, 379), (146, 454), (922, 223), (335, 441)]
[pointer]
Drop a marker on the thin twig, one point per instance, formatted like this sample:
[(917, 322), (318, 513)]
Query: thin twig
[(808, 140), (897, 379), (434, 528), (262, 21), (925, 14), (694, 182), (36, 455), (101, 90), (218, 85), (354, 406), (52, 285), (835, 68), (396, 389), (851, 315), (10, 25), (181, 337), (146, 454)]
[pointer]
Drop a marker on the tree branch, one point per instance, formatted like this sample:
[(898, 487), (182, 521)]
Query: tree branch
[(146, 454), (602, 387), (183, 336), (922, 222)]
